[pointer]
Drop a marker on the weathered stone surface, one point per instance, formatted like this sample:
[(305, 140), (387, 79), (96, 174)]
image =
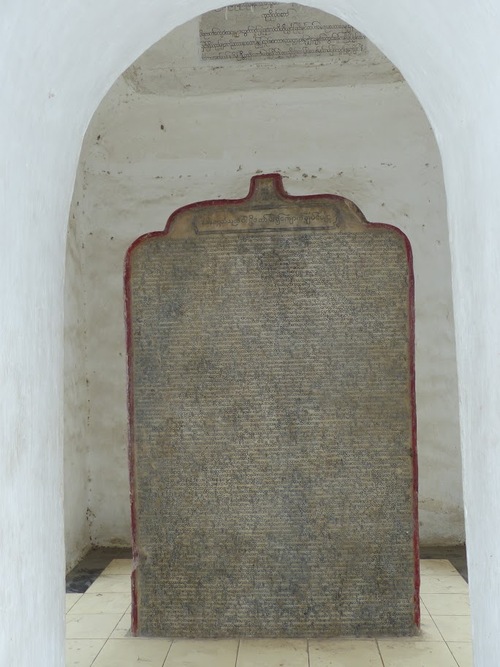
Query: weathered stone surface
[(271, 396), (276, 30)]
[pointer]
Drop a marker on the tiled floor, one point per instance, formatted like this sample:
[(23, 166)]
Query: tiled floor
[(98, 635)]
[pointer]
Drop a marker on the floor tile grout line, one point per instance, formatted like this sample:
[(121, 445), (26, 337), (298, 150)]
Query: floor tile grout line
[(437, 626), (430, 573), (454, 616), (452, 654), (108, 638), (426, 575), (237, 653), (99, 651), (380, 653), (425, 607), (168, 653), (459, 593)]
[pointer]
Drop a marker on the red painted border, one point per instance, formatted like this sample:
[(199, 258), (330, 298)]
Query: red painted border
[(279, 188), (131, 448)]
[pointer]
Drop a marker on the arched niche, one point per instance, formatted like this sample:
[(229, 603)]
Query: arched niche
[(454, 79), (176, 128)]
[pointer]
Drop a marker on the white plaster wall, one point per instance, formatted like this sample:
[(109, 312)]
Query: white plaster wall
[(76, 397), (371, 143), (56, 61)]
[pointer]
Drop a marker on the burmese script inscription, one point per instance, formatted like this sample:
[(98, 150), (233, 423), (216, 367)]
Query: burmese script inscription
[(270, 370), (272, 30)]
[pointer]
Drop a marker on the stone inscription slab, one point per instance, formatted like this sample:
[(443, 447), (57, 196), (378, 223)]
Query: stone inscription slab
[(272, 421), (274, 30)]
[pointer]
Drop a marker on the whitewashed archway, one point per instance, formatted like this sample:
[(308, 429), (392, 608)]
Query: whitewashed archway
[(57, 62)]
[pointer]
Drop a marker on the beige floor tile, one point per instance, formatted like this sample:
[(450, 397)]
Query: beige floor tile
[(437, 568), (434, 584), (396, 653), (272, 653), (133, 652), (71, 599), (129, 610), (81, 652), (125, 620), (123, 627), (121, 633), (462, 652), (111, 583), (446, 604), (344, 653), (202, 653), (119, 566), (102, 603), (428, 631), (454, 628), (90, 626)]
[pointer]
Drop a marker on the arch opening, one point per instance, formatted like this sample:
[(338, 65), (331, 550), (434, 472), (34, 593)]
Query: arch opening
[(175, 128), (460, 94)]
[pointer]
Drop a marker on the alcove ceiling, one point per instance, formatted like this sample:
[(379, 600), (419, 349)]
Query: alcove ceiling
[(293, 47)]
